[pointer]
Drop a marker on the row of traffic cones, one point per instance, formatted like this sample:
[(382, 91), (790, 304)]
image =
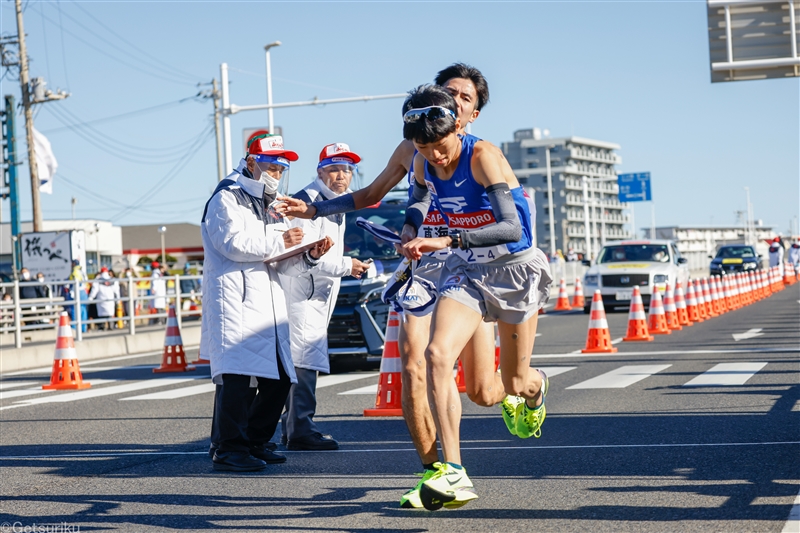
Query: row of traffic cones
[(563, 303), (704, 299), (66, 373)]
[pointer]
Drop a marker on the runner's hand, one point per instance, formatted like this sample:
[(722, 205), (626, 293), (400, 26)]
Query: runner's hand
[(416, 247), (322, 248), (292, 237), (296, 208), (408, 234), (358, 268)]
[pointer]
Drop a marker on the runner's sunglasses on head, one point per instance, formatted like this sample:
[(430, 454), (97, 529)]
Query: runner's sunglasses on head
[(433, 112)]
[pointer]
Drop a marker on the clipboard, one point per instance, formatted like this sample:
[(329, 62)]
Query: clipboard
[(293, 251)]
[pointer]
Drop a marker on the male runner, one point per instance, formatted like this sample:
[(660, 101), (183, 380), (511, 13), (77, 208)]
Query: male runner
[(471, 92), (494, 273)]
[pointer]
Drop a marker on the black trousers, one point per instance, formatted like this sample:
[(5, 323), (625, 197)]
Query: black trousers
[(246, 417), (298, 419)]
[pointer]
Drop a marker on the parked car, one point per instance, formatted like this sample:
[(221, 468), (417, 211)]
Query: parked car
[(620, 266), (734, 258), (358, 323)]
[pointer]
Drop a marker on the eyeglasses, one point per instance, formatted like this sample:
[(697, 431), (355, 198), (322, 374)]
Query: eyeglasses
[(433, 112)]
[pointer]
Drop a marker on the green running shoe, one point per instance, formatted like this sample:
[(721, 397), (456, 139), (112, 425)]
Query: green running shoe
[(448, 487), (509, 407), (529, 421), (410, 500)]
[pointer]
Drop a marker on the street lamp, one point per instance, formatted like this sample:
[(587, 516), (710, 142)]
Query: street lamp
[(162, 230), (96, 247), (269, 84), (550, 201)]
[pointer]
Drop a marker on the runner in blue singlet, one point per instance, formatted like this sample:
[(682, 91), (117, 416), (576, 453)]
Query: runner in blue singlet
[(494, 273)]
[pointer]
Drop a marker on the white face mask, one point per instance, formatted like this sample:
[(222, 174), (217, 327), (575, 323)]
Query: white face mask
[(270, 183), (41, 279), (26, 275)]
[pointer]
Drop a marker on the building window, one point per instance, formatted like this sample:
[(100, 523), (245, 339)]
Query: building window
[(531, 150), (533, 164)]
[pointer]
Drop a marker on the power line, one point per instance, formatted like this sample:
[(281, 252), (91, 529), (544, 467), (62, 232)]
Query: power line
[(63, 48), (122, 115), (46, 55), (146, 54)]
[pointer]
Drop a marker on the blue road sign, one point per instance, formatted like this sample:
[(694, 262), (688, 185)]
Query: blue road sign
[(634, 187)]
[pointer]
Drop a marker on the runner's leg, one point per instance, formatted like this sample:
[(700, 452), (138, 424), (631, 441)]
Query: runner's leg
[(453, 325), (414, 336), (516, 347), (484, 384)]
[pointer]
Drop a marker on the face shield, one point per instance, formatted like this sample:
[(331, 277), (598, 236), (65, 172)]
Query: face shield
[(337, 173), (273, 172)]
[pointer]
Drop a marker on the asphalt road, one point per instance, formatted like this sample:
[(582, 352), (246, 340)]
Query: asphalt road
[(627, 445)]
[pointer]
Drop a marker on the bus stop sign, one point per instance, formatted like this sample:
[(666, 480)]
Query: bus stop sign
[(634, 187)]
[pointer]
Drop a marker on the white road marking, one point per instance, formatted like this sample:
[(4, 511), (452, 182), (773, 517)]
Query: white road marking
[(617, 340), (5, 395), (5, 385), (337, 379), (369, 389), (104, 391), (533, 449), (173, 394), (621, 377), (793, 522), (577, 353), (556, 370), (726, 374), (749, 334)]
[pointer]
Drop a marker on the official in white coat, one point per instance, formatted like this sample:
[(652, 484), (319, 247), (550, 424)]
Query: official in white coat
[(312, 297), (245, 325), (776, 252), (794, 254), (106, 291)]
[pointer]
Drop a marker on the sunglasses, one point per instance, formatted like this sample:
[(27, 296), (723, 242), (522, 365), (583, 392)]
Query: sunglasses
[(434, 112)]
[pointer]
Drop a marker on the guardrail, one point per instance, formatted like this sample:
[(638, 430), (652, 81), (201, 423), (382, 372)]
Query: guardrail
[(18, 315)]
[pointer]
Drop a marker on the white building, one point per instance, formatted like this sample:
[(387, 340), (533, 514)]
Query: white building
[(696, 243)]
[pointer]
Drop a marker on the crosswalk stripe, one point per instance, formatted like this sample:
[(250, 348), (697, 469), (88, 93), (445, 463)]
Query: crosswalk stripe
[(556, 370), (337, 379), (108, 391), (621, 377), (369, 389), (6, 395), (726, 374), (15, 384), (175, 393)]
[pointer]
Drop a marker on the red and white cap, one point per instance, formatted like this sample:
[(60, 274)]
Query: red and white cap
[(271, 145), (332, 152)]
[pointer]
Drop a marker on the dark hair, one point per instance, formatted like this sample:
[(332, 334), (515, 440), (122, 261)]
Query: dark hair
[(462, 70), (426, 131)]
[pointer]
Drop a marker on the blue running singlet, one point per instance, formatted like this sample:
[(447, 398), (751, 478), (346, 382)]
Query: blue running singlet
[(464, 205)]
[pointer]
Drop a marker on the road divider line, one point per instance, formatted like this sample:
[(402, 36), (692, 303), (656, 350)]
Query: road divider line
[(369, 389), (173, 394), (337, 379), (621, 377), (577, 353), (15, 384), (396, 450), (726, 374), (38, 390)]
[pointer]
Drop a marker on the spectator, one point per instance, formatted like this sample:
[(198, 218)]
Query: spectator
[(106, 290), (126, 275), (77, 291), (7, 311), (158, 288), (188, 286), (27, 292), (794, 254), (571, 255), (47, 290), (311, 298), (245, 328)]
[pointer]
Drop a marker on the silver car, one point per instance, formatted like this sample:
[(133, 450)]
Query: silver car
[(621, 266)]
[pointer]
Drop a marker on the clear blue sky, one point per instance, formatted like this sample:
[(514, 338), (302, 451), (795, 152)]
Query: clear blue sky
[(633, 73)]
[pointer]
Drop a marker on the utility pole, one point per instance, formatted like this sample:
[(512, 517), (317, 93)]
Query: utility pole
[(24, 81), (214, 94)]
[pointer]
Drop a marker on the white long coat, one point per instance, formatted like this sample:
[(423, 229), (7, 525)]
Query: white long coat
[(106, 291), (158, 287), (312, 296), (245, 322)]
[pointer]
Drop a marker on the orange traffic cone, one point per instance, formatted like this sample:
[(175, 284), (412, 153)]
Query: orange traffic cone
[(577, 298), (787, 274), (707, 298), (723, 302), (712, 289), (461, 380), (754, 288), (670, 310), (748, 297), (657, 321), (637, 320), (737, 301), (701, 300), (692, 309), (66, 372), (680, 306), (388, 402), (765, 284), (599, 338), (563, 300), (174, 358)]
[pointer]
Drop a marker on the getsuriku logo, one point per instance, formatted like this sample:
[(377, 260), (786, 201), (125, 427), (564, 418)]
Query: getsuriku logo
[(455, 203)]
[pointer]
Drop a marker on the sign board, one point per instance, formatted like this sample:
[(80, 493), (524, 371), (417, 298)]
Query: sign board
[(51, 253), (752, 39), (249, 133), (634, 187)]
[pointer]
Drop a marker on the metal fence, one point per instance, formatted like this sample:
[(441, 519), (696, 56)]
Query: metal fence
[(18, 315), (569, 270)]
